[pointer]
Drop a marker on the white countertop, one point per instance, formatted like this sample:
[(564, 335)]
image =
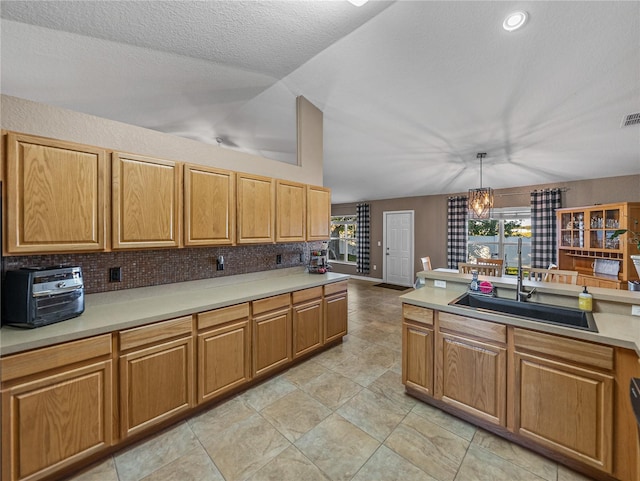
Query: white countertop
[(614, 329), (112, 311)]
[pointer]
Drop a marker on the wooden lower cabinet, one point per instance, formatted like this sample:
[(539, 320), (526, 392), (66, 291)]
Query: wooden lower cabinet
[(57, 407), (271, 334), (156, 374), (307, 321), (417, 365), (593, 281), (552, 393), (335, 311), (64, 405), (471, 357), (417, 344), (224, 350), (564, 403)]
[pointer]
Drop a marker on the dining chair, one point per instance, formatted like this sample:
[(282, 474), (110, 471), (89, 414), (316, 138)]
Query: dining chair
[(492, 262), (493, 270), (551, 275)]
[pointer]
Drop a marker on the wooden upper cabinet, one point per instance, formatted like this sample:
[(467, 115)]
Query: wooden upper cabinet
[(290, 211), (56, 196), (318, 213), (209, 206), (256, 209), (147, 201)]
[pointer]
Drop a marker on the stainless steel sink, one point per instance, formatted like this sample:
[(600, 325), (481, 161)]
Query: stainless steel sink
[(561, 316)]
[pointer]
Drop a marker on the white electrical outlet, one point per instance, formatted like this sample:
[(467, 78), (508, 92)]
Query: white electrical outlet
[(375, 267), (442, 284), (379, 244), (635, 310)]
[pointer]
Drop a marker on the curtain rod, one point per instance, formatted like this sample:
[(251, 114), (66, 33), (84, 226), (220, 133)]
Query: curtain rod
[(563, 189)]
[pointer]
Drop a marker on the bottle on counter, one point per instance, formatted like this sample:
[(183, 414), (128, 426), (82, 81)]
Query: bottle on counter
[(474, 281), (585, 300)]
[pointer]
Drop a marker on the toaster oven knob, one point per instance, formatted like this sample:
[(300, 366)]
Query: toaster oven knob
[(60, 284)]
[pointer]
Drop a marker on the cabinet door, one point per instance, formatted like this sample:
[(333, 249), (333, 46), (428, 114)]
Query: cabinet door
[(54, 421), (591, 281), (156, 383), (307, 327), (417, 359), (209, 206), (335, 317), (147, 200), (224, 355), (565, 408), (473, 377), (290, 211), (256, 209), (318, 213), (271, 341), (56, 196)]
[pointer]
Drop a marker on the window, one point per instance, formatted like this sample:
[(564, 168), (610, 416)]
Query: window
[(342, 245), (497, 238)]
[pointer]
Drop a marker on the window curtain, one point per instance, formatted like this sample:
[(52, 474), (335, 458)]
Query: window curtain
[(363, 226), (456, 231), (543, 226)]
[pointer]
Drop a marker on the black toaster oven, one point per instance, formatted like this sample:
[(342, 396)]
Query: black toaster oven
[(38, 296)]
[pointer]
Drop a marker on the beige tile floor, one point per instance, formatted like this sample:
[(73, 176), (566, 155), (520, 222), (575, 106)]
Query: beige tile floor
[(342, 415)]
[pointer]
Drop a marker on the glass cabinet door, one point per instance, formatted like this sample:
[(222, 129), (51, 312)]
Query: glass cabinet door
[(572, 229), (596, 234)]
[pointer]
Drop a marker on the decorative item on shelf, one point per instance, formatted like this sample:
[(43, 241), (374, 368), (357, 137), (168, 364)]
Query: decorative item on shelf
[(480, 201), (606, 266), (634, 238), (318, 261)]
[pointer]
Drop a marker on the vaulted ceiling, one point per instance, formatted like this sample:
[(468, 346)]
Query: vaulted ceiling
[(410, 90)]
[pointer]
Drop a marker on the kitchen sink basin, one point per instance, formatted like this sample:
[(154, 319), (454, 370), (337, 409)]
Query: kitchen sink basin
[(561, 316)]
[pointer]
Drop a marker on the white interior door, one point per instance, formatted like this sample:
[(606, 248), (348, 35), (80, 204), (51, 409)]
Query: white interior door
[(398, 247)]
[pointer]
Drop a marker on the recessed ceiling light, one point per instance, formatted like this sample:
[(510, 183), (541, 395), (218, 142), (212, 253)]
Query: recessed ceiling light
[(358, 3), (514, 21)]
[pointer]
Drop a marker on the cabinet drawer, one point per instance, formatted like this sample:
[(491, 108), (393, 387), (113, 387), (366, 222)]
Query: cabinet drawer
[(473, 328), (223, 315), (271, 303), (307, 295), (39, 360), (335, 287), (151, 333), (582, 352), (419, 314)]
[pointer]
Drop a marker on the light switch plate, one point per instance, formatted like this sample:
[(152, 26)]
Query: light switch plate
[(442, 284), (635, 310)]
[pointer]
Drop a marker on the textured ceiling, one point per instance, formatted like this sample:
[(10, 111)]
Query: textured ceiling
[(410, 90)]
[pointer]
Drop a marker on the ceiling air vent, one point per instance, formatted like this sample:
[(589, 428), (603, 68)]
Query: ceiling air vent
[(631, 119)]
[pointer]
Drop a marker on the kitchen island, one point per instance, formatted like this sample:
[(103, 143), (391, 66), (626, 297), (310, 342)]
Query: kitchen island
[(557, 390), (138, 360)]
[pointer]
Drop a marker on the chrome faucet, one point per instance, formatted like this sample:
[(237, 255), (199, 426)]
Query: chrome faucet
[(521, 294)]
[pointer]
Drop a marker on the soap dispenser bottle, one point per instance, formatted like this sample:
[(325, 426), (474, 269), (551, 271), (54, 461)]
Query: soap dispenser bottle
[(474, 281), (585, 300)]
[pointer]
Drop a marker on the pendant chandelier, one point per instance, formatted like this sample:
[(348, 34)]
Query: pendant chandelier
[(480, 200)]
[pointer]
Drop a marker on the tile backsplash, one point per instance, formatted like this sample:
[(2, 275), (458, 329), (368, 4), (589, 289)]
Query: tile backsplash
[(165, 266)]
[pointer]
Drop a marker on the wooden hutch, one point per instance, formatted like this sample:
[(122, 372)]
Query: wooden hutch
[(585, 244)]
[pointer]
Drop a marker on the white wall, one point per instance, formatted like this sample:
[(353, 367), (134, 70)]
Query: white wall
[(29, 117)]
